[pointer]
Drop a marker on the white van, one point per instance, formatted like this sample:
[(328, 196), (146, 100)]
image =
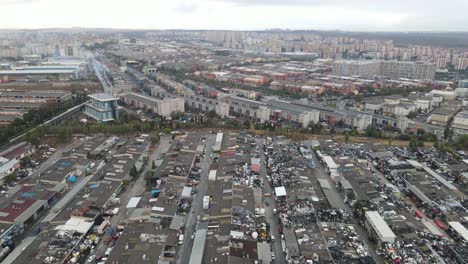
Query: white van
[(181, 239)]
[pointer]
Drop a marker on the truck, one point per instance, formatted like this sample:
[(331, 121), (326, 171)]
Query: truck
[(108, 235), (102, 227), (206, 202), (115, 211)]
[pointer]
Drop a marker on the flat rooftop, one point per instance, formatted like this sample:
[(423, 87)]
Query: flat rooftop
[(103, 97), (139, 243)]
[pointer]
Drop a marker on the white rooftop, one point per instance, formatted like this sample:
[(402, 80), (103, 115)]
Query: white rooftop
[(460, 229), (102, 97), (75, 224), (380, 226), (280, 191), (133, 202)]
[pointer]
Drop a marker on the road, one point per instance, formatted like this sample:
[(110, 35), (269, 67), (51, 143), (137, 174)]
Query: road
[(54, 158), (272, 218), (185, 249), (101, 70)]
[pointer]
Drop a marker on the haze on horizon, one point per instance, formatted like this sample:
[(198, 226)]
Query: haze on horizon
[(350, 15)]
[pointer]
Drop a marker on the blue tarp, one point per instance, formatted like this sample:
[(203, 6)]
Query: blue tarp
[(27, 194), (71, 179), (155, 193), (93, 186)]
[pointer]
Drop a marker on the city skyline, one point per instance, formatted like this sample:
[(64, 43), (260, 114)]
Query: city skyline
[(237, 15)]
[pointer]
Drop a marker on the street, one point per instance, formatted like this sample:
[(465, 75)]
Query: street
[(280, 256), (184, 251)]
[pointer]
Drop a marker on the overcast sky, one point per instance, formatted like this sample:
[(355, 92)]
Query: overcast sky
[(354, 15)]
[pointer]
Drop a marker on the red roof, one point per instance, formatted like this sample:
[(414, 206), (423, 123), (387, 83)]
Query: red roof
[(15, 208), (227, 153), (255, 167)]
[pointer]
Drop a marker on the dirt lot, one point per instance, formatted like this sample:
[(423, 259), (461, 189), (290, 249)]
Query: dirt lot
[(341, 138)]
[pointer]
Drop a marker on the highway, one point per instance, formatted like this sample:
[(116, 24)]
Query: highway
[(101, 72)]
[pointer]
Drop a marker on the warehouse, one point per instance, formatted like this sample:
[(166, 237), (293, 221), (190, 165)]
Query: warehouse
[(459, 230), (377, 226)]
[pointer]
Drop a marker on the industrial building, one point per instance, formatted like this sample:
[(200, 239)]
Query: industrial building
[(377, 226), (39, 73), (441, 116), (460, 122), (31, 96)]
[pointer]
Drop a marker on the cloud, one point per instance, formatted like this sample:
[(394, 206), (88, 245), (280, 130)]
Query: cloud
[(14, 2), (360, 15), (186, 6)]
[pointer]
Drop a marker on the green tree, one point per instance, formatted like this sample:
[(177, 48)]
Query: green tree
[(346, 136), (448, 133), (461, 143), (436, 144), (133, 172), (420, 132), (211, 114), (153, 165), (413, 144), (64, 134), (10, 178), (390, 141), (359, 97)]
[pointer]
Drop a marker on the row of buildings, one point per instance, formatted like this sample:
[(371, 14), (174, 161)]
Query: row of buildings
[(390, 69), (14, 104)]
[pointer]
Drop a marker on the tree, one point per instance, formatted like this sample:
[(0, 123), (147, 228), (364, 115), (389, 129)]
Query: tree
[(153, 165), (133, 172), (420, 132), (448, 133), (211, 114), (390, 141), (413, 114), (64, 134), (436, 144), (413, 144), (461, 142), (148, 176), (10, 178), (346, 136), (359, 97)]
